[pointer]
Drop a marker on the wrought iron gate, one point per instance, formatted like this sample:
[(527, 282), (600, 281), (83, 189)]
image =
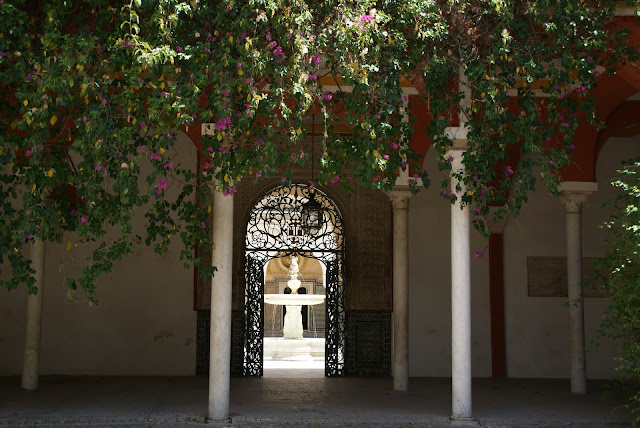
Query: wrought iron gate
[(275, 230)]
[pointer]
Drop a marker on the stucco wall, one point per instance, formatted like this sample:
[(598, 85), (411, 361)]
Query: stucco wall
[(144, 324), (536, 327)]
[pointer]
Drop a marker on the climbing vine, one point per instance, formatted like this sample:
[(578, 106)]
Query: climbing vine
[(94, 96)]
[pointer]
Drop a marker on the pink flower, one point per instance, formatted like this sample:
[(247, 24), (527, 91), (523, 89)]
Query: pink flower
[(28, 152), (104, 102), (479, 255), (84, 218), (327, 96), (143, 125), (479, 209), (284, 180), (313, 77), (168, 165), (85, 118), (548, 139), (552, 163), (259, 143), (366, 18), (334, 180), (312, 183), (385, 157), (508, 170), (394, 146), (179, 49), (206, 165), (162, 185), (302, 155), (202, 224), (164, 93), (98, 168), (143, 149), (30, 236)]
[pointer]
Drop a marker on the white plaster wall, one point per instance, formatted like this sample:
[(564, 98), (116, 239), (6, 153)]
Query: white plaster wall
[(537, 327), (430, 286), (144, 324)]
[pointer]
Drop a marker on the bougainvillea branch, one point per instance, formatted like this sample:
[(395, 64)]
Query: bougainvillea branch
[(94, 95)]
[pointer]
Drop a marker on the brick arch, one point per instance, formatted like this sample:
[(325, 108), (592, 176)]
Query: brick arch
[(612, 90), (625, 115), (630, 71)]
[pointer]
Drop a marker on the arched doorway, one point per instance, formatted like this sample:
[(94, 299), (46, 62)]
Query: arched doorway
[(274, 230)]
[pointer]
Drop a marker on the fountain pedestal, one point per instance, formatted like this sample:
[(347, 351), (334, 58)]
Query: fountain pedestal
[(293, 302), (293, 322)]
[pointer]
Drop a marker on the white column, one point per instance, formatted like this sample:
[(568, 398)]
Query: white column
[(460, 301), (220, 345), (572, 196), (34, 320), (400, 203)]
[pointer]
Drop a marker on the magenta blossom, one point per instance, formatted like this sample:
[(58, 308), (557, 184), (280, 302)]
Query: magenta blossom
[(84, 218), (162, 185)]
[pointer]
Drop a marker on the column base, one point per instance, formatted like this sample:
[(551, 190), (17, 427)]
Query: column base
[(463, 422)]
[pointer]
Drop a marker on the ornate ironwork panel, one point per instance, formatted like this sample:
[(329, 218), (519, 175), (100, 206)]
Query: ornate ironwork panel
[(275, 229), (254, 307), (335, 320)]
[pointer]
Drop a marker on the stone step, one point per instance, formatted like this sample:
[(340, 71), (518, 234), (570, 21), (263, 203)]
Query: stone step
[(293, 349)]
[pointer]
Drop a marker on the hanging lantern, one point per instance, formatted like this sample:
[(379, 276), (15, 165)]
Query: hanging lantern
[(312, 217)]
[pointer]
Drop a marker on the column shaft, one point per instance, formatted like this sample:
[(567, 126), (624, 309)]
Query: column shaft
[(576, 303), (400, 203), (33, 329), (220, 347), (460, 304)]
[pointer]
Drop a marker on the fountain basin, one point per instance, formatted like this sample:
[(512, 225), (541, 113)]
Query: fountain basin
[(294, 299)]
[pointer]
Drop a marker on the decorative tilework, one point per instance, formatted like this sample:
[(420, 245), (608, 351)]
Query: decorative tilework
[(368, 344), (203, 340)]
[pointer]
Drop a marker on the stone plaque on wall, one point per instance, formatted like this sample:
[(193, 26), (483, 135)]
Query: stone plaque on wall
[(547, 277)]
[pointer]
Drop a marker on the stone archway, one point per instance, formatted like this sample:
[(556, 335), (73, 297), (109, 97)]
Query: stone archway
[(274, 230)]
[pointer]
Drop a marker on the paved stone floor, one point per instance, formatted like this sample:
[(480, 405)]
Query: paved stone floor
[(300, 402)]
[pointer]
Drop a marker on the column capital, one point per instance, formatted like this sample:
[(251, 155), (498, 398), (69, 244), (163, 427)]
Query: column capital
[(574, 193), (400, 197)]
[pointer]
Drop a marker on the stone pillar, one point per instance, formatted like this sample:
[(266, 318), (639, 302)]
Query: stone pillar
[(34, 320), (400, 203), (220, 347), (460, 299), (572, 196)]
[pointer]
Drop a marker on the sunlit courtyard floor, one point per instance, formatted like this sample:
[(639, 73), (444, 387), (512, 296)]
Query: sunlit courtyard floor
[(285, 358)]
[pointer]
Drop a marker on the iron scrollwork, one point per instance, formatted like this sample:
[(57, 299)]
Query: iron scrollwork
[(275, 229)]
